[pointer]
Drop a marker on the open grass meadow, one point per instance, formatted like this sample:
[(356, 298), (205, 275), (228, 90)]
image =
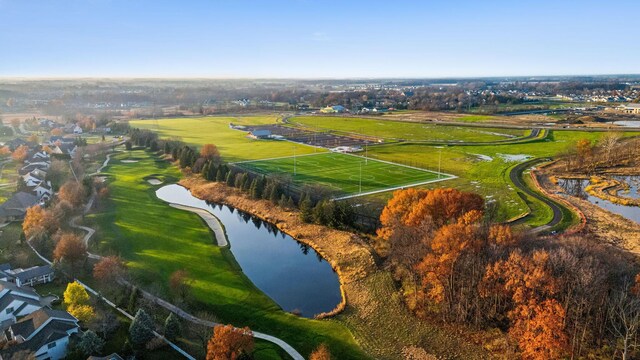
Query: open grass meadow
[(346, 174), (157, 240), (485, 169), (410, 131), (234, 145)]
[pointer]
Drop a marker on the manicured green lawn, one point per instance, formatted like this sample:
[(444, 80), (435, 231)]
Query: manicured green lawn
[(234, 145), (389, 129), (157, 240), (484, 169), (347, 174)]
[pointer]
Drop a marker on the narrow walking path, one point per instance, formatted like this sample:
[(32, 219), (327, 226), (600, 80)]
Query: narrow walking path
[(218, 230), (113, 305), (211, 221)]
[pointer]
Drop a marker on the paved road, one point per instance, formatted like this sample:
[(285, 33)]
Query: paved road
[(516, 177)]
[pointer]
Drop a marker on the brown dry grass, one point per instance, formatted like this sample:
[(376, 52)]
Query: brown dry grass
[(374, 310)]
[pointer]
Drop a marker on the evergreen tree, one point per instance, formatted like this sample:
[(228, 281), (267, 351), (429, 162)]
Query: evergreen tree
[(283, 201), (274, 193), (213, 171), (239, 180), (90, 343), (167, 148), (222, 174), (245, 182), (205, 171), (141, 329), (133, 300), (174, 153), (230, 178), (253, 189), (172, 328), (306, 209)]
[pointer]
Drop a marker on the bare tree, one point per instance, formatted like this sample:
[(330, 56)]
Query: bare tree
[(624, 316)]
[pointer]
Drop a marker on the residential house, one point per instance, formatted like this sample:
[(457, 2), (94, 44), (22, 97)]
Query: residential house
[(41, 165), (32, 276), (16, 207), (39, 157), (43, 191), (260, 134), (15, 143), (34, 177), (77, 130), (16, 301), (43, 334), (57, 140), (65, 149)]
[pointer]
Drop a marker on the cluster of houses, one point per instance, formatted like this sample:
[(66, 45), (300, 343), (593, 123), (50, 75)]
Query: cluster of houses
[(29, 327), (69, 128), (38, 189)]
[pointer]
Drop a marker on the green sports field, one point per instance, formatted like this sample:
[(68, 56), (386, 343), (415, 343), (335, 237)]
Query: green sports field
[(346, 174)]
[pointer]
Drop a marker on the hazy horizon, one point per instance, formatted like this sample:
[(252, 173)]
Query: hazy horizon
[(306, 39)]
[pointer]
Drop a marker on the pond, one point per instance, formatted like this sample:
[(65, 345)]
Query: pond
[(575, 187), (294, 275), (628, 123)]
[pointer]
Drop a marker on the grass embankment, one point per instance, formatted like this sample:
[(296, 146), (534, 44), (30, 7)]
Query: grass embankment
[(375, 311), (234, 145), (410, 131), (157, 240)]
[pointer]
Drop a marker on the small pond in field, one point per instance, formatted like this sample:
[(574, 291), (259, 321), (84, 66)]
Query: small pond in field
[(294, 275), (575, 187)]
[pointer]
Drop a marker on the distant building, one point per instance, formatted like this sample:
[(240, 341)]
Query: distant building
[(260, 134), (631, 108), (333, 109), (113, 356)]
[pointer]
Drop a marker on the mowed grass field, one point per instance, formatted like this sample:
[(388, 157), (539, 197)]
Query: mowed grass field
[(234, 145), (485, 169), (346, 174), (156, 240), (410, 131)]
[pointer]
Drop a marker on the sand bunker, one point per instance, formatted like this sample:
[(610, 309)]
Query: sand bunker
[(129, 161), (154, 181)]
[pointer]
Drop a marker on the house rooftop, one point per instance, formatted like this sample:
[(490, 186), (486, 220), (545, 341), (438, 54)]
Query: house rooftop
[(32, 272)]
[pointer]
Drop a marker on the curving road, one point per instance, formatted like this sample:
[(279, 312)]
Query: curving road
[(516, 177)]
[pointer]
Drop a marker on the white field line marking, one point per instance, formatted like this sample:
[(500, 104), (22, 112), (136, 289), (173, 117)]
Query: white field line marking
[(394, 188), (401, 165), (275, 158)]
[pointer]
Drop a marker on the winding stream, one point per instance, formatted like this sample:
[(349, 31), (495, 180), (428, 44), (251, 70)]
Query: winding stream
[(575, 187), (293, 274)]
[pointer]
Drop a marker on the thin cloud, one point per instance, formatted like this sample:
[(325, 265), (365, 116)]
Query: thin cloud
[(320, 36)]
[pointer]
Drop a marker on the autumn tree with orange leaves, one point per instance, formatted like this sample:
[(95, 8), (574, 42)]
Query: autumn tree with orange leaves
[(536, 318), (70, 249), (21, 153), (229, 343), (38, 222), (210, 152), (73, 192), (109, 269), (413, 215)]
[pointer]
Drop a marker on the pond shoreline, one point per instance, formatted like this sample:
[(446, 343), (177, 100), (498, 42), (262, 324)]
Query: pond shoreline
[(195, 186)]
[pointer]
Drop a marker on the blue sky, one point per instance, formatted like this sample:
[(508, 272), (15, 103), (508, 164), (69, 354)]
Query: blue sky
[(312, 38)]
